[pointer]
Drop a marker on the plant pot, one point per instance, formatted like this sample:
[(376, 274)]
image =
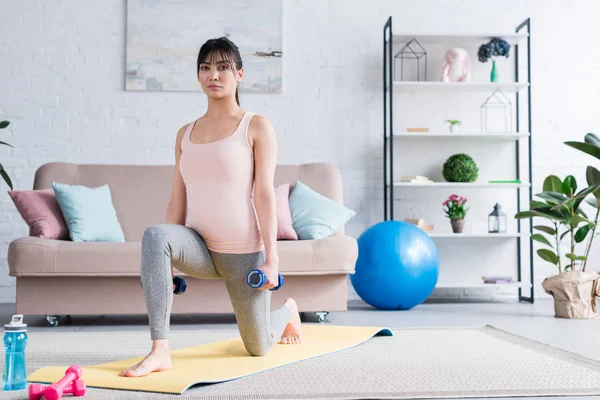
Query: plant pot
[(457, 225), (574, 294), (454, 128)]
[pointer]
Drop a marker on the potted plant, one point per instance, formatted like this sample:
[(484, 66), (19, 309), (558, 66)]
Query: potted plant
[(494, 48), (455, 209), (573, 288), (460, 168), (4, 124), (454, 125)]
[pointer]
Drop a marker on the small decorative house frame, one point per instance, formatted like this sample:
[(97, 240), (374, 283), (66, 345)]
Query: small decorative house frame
[(412, 58), (496, 113)]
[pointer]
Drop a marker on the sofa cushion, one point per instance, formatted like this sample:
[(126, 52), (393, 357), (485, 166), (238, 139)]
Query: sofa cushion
[(34, 256), (89, 213), (285, 228), (315, 216), (41, 212)]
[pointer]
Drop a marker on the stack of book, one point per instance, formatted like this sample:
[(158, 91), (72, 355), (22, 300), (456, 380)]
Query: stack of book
[(498, 279), (420, 223), (415, 179)]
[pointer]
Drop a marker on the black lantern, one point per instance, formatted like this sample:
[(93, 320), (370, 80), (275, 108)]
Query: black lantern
[(497, 220)]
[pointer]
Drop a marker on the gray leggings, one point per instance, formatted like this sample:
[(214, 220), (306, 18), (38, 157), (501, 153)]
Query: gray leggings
[(164, 245)]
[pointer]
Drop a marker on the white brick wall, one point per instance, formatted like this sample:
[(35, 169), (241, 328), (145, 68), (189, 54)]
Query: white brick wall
[(62, 82)]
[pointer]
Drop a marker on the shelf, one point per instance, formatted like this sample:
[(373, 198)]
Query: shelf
[(462, 185), (433, 86), (476, 235), (466, 135), (434, 96), (483, 285), (456, 38)]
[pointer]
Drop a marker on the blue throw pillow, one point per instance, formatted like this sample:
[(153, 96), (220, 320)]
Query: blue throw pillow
[(315, 216), (89, 213)]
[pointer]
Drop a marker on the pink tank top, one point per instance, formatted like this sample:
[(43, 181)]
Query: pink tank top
[(219, 181)]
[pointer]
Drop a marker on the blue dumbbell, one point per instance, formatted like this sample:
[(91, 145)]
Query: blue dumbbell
[(257, 279), (180, 285)]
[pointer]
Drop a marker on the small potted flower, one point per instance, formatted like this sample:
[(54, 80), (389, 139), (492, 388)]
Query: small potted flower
[(454, 125), (455, 209)]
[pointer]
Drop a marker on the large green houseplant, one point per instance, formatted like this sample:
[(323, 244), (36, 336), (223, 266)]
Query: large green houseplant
[(573, 288), (4, 124)]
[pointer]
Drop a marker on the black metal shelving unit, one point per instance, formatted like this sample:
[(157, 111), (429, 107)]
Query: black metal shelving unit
[(388, 142)]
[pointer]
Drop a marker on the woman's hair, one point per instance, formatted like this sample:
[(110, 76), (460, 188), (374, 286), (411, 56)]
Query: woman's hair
[(226, 49)]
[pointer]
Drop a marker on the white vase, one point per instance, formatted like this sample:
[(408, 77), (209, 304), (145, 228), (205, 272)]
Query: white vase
[(454, 128)]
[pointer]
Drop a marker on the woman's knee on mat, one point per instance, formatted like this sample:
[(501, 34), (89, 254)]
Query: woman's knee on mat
[(258, 347)]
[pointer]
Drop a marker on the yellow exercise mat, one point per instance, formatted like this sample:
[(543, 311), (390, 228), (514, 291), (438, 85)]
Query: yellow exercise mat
[(218, 362)]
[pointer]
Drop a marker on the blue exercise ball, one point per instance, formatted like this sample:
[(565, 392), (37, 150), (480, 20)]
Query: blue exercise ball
[(397, 266)]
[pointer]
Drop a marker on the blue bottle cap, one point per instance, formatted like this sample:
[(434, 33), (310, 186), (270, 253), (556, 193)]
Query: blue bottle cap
[(16, 325)]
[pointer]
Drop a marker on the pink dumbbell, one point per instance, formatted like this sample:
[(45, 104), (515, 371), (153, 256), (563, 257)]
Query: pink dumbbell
[(37, 391), (69, 384)]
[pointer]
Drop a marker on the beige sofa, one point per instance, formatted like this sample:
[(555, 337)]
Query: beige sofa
[(58, 277)]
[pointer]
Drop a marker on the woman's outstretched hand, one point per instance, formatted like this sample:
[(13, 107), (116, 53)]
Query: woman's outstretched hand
[(271, 270)]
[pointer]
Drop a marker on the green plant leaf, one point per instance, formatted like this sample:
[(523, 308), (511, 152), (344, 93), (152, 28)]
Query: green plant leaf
[(592, 202), (453, 121), (548, 255), (556, 215), (586, 148), (559, 216), (540, 238), (538, 204), (569, 184), (571, 256), (6, 177), (552, 184), (577, 219), (6, 144), (581, 258), (546, 229), (4, 124), (592, 176), (592, 189), (592, 139), (553, 197), (526, 214), (583, 214), (575, 201), (582, 233), (565, 234), (566, 205)]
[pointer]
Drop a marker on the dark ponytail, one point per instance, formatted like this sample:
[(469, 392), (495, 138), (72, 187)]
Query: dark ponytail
[(226, 49)]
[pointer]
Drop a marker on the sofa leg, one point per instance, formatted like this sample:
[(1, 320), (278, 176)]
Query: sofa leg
[(52, 320), (321, 315)]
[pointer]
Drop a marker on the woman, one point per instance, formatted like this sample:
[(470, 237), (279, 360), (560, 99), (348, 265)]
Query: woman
[(221, 220)]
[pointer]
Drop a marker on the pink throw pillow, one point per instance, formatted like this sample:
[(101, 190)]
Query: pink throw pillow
[(285, 229), (41, 212)]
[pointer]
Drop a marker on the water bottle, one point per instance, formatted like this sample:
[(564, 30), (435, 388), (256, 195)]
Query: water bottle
[(15, 341)]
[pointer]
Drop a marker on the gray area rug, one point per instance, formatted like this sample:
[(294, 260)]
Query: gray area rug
[(415, 363)]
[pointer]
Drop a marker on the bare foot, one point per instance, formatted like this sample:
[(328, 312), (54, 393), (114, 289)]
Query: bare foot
[(292, 334), (159, 359)]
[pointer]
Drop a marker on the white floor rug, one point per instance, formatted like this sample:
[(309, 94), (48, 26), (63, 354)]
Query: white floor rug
[(414, 363)]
